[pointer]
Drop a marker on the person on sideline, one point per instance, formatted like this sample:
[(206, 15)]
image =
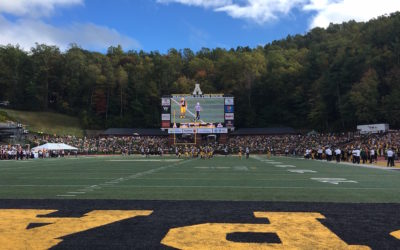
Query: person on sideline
[(338, 153), (390, 157)]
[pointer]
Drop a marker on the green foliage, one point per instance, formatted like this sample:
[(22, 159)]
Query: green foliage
[(328, 79), (4, 116), (45, 122), (364, 97)]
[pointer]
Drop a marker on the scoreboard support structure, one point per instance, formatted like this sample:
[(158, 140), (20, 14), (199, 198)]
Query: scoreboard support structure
[(173, 141), (223, 138), (204, 117)]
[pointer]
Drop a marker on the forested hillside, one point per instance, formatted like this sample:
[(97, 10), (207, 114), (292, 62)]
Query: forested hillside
[(328, 79)]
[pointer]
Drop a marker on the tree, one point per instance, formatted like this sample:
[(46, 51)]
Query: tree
[(122, 80), (15, 73), (110, 82), (391, 101), (328, 79), (364, 96), (253, 65), (46, 60)]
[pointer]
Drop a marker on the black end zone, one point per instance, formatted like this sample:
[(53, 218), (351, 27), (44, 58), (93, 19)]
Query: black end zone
[(254, 237), (356, 224), (35, 225)]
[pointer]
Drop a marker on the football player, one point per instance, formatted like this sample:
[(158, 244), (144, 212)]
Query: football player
[(183, 105)]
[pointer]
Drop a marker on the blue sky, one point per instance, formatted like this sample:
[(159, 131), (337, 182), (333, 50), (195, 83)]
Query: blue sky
[(151, 25)]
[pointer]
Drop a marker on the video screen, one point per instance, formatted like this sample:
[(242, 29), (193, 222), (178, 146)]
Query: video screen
[(211, 109)]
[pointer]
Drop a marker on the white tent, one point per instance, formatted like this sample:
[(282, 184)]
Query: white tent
[(66, 147), (54, 146)]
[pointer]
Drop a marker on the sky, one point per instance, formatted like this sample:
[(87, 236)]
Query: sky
[(159, 25)]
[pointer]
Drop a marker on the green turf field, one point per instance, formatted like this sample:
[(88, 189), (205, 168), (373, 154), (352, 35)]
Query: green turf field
[(221, 178)]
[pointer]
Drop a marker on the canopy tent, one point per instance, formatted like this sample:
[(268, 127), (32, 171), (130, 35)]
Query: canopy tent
[(54, 146), (312, 132)]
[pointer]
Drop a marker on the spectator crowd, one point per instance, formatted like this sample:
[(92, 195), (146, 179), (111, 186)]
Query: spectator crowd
[(341, 147)]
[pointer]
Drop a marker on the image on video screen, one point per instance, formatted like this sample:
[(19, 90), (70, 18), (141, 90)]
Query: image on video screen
[(211, 109)]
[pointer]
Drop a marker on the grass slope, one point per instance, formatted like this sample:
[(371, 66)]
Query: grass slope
[(226, 179), (47, 122)]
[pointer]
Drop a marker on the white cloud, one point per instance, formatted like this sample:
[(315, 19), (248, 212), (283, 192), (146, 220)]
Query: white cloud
[(260, 11), (29, 27), (199, 3), (26, 32), (326, 11), (34, 8), (334, 11)]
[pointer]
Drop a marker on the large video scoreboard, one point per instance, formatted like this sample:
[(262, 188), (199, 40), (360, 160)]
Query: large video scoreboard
[(216, 111)]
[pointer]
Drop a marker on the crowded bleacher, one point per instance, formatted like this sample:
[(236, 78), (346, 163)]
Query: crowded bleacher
[(314, 145)]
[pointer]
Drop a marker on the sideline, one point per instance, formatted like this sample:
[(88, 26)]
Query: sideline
[(342, 163)]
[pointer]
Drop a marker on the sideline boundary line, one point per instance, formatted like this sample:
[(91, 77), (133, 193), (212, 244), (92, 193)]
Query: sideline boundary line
[(342, 163)]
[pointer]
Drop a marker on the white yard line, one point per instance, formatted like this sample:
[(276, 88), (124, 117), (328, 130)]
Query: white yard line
[(113, 182), (12, 185), (341, 163), (331, 162), (363, 165), (19, 167), (62, 178), (148, 160)]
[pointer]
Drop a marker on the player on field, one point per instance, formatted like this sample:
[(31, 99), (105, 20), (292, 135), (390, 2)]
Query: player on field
[(268, 153), (226, 151), (197, 108), (319, 157), (186, 152), (202, 153), (328, 153), (183, 105), (307, 154)]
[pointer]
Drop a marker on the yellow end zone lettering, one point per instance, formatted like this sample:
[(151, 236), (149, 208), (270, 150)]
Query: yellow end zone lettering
[(396, 234), (15, 235), (295, 230)]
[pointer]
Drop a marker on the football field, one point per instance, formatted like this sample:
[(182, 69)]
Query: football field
[(220, 178), (158, 202)]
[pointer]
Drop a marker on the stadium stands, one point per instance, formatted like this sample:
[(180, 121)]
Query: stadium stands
[(265, 131), (133, 132), (154, 141)]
